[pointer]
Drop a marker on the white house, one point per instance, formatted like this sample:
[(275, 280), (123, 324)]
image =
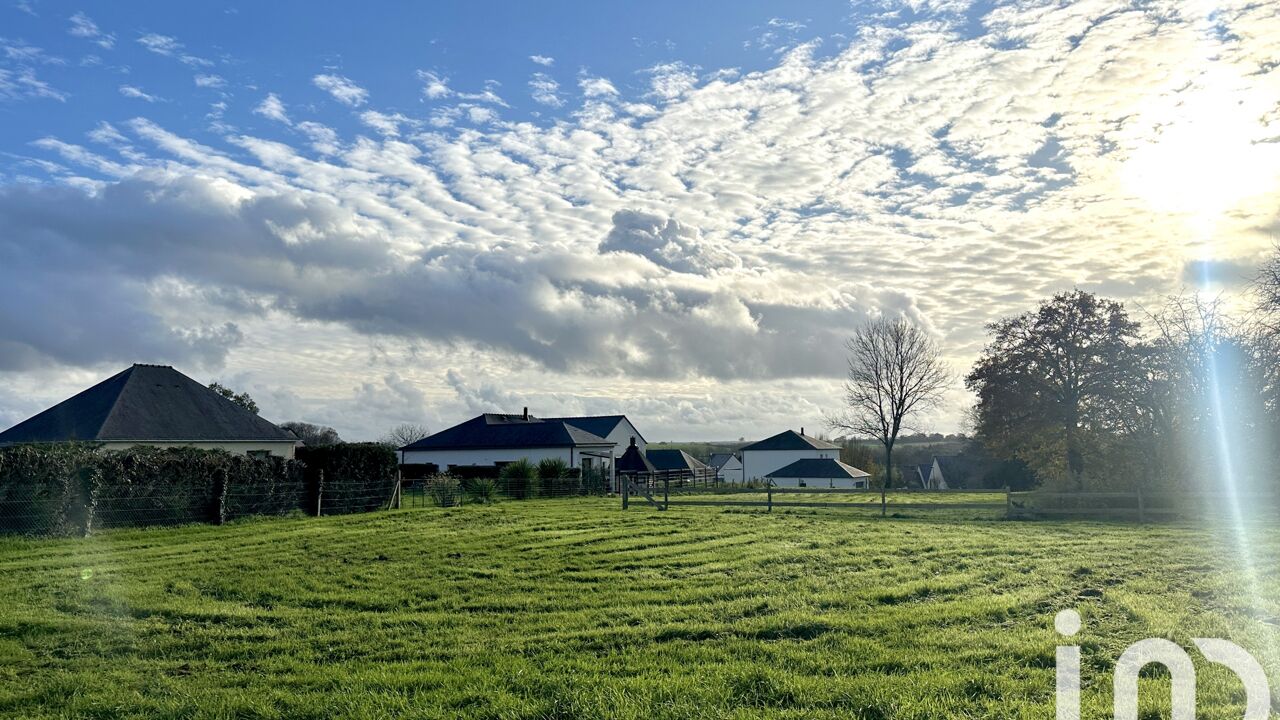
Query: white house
[(494, 439), (763, 457), (820, 473), (728, 467)]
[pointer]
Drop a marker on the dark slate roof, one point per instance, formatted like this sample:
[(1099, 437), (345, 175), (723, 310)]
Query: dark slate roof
[(493, 430), (633, 461), (791, 440), (719, 459), (925, 471), (146, 403), (600, 425), (674, 460), (818, 468), (948, 464)]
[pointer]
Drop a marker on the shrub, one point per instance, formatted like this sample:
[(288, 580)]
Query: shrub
[(481, 489), (520, 479), (44, 489), (552, 474), (444, 490)]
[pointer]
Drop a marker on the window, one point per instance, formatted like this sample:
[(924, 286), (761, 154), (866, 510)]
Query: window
[(259, 454)]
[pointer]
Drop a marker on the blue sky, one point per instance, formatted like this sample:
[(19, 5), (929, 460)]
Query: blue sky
[(279, 47), (384, 213)]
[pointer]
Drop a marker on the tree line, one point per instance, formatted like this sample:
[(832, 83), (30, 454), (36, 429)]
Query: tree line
[(1082, 393)]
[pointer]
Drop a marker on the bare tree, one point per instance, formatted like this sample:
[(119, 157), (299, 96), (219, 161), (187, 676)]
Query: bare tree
[(405, 434), (895, 372)]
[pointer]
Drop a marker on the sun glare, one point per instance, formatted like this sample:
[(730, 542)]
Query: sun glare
[(1201, 157)]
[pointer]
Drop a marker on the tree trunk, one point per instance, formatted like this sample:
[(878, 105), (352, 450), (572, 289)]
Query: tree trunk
[(888, 477)]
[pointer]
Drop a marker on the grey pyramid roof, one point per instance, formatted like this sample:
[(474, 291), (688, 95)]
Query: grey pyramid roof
[(146, 403), (791, 440), (494, 430), (674, 460), (600, 425), (818, 468)]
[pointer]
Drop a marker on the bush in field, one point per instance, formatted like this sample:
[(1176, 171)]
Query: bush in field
[(482, 490), (520, 479), (444, 490), (44, 488), (556, 478)]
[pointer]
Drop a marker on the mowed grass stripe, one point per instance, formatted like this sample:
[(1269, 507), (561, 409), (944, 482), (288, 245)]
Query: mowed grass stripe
[(572, 608)]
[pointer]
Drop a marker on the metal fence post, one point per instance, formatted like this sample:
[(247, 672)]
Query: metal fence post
[(319, 489), (666, 491)]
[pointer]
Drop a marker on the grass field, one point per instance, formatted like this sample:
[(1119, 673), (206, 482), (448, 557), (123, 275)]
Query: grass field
[(574, 609)]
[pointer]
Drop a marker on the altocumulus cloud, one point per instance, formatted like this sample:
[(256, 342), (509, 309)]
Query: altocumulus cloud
[(725, 226)]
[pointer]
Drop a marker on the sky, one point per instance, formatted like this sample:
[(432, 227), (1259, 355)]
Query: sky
[(415, 212)]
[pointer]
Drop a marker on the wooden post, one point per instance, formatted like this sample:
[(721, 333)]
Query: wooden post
[(319, 490), (626, 490), (1142, 511), (1008, 503), (219, 496), (666, 491), (399, 485), (769, 491)]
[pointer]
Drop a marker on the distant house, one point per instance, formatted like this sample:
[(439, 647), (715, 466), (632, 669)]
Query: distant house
[(820, 473), (678, 463), (763, 457), (633, 462), (943, 473), (728, 467), (918, 476), (153, 405), (495, 439)]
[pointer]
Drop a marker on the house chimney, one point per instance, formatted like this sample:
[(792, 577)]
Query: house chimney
[(801, 429), (526, 413), (633, 441)]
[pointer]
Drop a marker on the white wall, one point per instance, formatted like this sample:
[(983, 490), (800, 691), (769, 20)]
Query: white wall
[(758, 463), (278, 449), (821, 482), (621, 437), (731, 471)]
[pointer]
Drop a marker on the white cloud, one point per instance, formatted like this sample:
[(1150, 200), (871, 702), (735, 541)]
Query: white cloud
[(272, 108), (84, 27), (160, 44), (695, 257), (23, 83), (137, 93), (544, 90), (543, 60), (210, 81), (342, 89), (596, 87)]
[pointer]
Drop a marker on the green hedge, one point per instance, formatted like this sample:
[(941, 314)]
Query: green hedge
[(71, 488), (357, 477)]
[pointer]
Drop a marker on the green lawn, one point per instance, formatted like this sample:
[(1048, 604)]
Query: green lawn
[(572, 608)]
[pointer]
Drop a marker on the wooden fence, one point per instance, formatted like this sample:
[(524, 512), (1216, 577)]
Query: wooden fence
[(659, 495), (1133, 505)]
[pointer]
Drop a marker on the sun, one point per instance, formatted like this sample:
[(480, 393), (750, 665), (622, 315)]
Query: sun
[(1201, 156)]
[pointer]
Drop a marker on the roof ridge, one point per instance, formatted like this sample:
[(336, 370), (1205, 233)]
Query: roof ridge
[(115, 403)]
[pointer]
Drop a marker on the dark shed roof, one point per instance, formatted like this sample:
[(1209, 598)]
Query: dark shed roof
[(818, 468), (791, 440), (493, 430), (146, 403), (674, 460), (633, 461), (719, 459)]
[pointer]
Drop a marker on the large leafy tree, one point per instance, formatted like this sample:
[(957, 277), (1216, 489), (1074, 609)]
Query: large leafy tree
[(311, 434), (1056, 383), (241, 399)]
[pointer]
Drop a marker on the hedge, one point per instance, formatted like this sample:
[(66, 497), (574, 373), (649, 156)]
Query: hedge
[(357, 477), (71, 488)]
